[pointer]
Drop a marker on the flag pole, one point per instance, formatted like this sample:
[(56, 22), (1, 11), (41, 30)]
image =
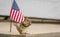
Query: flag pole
[(10, 25)]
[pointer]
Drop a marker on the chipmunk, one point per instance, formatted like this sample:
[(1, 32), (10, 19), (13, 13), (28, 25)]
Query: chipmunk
[(23, 25)]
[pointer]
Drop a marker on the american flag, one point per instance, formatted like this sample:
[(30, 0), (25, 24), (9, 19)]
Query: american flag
[(16, 14)]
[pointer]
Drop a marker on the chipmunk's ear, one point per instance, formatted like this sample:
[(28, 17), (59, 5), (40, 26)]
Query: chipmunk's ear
[(26, 18)]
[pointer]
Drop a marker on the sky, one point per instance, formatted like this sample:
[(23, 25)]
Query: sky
[(33, 8)]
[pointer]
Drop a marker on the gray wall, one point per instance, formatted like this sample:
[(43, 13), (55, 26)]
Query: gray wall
[(33, 8)]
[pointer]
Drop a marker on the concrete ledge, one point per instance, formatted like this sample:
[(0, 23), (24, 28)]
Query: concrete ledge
[(56, 34), (8, 35), (35, 30)]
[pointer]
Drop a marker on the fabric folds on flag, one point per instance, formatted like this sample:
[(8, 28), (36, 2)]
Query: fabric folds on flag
[(15, 13)]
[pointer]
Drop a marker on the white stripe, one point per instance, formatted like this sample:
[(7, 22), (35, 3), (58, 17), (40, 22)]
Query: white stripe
[(20, 19), (14, 14), (18, 16)]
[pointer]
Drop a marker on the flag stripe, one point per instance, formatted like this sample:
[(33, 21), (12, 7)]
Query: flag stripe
[(12, 11), (22, 18), (19, 17), (14, 14)]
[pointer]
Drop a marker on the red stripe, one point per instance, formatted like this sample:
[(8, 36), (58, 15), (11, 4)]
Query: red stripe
[(14, 14), (22, 18), (17, 17)]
